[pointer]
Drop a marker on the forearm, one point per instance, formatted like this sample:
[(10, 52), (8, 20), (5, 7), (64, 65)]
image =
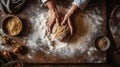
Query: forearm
[(72, 9), (78, 4), (51, 5)]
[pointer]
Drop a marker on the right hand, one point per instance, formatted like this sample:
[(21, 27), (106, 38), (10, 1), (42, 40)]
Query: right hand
[(67, 20)]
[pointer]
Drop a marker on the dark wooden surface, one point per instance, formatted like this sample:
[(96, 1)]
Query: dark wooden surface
[(111, 58), (27, 11)]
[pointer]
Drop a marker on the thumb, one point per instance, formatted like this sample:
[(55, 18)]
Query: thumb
[(57, 21), (64, 21), (70, 26)]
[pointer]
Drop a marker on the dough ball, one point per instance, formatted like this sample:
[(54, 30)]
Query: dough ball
[(61, 33)]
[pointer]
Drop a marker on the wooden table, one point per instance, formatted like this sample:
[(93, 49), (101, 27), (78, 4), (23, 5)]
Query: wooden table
[(24, 14)]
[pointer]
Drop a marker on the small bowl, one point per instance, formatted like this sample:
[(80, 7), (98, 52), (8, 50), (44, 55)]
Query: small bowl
[(102, 43), (5, 21)]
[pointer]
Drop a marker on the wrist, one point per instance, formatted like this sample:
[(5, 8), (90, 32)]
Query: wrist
[(51, 5), (69, 14), (72, 9), (53, 10)]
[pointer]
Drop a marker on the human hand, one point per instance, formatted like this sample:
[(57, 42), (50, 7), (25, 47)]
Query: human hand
[(53, 15), (67, 21), (67, 18), (53, 18)]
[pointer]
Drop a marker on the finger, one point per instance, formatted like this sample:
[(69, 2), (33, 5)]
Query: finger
[(50, 25), (70, 26), (47, 26), (64, 21), (57, 21), (48, 29)]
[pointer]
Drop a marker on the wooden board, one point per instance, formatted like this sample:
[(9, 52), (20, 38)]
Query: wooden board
[(28, 11)]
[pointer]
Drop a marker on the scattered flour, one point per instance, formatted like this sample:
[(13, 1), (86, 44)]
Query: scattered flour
[(39, 39), (2, 47)]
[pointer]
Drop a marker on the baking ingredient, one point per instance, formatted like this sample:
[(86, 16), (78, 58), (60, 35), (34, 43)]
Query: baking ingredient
[(20, 49), (13, 26), (88, 27), (4, 40), (9, 55), (102, 43), (81, 49), (7, 41), (9, 59), (61, 33)]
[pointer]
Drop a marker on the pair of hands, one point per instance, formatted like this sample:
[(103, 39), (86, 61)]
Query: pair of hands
[(56, 18)]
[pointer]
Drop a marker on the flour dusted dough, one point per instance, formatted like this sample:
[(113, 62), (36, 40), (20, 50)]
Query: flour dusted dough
[(61, 33)]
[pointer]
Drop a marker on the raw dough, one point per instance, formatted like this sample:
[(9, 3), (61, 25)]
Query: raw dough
[(61, 33)]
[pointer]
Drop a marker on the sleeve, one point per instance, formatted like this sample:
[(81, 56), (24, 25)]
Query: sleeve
[(44, 1), (81, 3)]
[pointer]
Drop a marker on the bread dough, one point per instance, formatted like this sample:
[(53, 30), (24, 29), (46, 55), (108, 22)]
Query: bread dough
[(61, 33)]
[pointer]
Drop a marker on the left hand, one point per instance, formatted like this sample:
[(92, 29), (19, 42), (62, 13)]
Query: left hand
[(53, 18)]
